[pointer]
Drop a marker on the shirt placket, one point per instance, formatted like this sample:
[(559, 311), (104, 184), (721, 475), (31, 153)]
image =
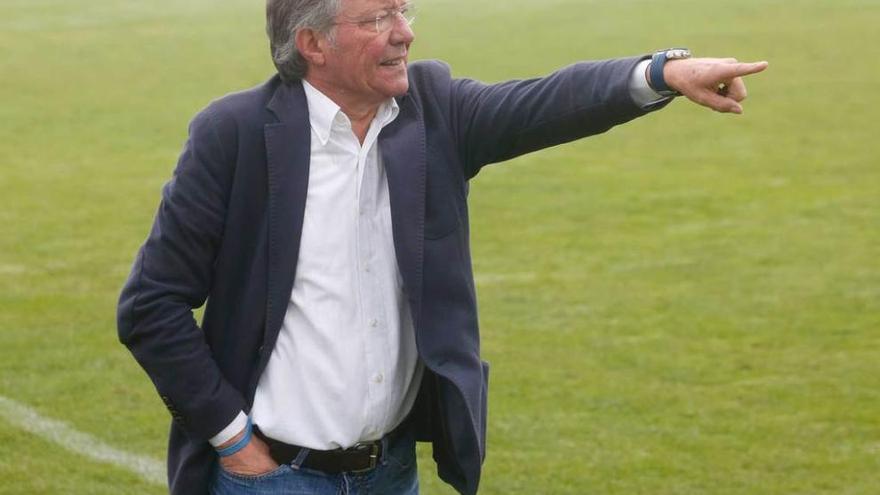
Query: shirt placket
[(373, 310)]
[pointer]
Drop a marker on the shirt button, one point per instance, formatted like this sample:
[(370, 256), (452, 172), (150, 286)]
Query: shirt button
[(374, 322), (378, 378)]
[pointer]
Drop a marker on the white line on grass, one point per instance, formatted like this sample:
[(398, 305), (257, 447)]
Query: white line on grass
[(80, 443), (502, 278)]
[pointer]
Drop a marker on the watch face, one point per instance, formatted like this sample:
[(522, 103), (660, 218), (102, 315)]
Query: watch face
[(678, 53)]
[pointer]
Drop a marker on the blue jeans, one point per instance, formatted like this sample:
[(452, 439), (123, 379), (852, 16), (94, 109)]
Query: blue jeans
[(396, 474)]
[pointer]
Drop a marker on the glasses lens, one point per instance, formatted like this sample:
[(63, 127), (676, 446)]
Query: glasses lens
[(409, 13), (386, 22)]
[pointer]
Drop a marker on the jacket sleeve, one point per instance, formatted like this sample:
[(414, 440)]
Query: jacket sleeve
[(497, 122), (172, 275)]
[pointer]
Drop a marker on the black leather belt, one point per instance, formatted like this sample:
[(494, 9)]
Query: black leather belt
[(357, 459)]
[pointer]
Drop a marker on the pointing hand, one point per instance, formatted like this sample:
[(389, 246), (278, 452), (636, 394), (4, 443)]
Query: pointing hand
[(716, 83)]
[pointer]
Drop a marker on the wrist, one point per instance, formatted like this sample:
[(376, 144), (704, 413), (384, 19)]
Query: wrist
[(670, 75), (230, 432), (656, 71), (237, 442)]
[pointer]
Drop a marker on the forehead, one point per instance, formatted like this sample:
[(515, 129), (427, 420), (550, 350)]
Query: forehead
[(368, 6)]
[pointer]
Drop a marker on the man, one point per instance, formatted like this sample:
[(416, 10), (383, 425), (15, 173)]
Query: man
[(323, 217)]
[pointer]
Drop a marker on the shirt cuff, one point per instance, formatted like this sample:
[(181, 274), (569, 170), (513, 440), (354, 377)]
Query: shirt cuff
[(237, 425), (640, 90)]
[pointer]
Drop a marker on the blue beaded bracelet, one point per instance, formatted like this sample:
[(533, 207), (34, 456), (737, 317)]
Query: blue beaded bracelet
[(240, 444)]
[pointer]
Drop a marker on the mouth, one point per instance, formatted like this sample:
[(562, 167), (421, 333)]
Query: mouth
[(394, 62)]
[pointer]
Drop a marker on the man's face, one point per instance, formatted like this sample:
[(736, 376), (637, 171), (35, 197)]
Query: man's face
[(365, 65)]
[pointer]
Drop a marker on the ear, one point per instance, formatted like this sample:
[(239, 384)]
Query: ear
[(311, 46)]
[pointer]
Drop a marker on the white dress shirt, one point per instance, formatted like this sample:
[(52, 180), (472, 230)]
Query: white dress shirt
[(345, 368), (639, 89)]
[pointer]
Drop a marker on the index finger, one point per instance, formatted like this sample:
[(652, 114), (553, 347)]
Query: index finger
[(744, 69)]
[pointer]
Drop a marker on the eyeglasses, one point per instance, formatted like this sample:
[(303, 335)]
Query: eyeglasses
[(384, 20)]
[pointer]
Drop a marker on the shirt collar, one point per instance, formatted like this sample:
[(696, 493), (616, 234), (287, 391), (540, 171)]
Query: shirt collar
[(323, 112)]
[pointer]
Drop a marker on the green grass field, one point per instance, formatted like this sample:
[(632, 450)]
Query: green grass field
[(687, 305)]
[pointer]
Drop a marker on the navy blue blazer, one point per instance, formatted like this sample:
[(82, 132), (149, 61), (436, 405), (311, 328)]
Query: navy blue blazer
[(228, 228)]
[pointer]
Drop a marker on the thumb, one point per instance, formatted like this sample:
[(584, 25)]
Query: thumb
[(719, 103)]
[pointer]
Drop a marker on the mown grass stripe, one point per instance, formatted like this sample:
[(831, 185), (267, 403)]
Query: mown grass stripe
[(57, 432)]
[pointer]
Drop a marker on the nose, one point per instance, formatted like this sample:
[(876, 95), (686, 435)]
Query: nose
[(402, 31)]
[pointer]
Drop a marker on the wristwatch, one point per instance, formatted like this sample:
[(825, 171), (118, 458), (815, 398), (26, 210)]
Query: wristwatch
[(655, 69)]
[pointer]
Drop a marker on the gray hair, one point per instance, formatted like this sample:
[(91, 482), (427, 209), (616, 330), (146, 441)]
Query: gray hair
[(283, 19)]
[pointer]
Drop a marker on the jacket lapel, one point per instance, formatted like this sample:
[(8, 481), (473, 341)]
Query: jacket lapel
[(288, 146), (402, 145)]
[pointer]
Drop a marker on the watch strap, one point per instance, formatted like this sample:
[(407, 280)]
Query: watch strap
[(655, 70)]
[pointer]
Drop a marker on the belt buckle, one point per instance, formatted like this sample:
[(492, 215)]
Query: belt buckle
[(373, 449)]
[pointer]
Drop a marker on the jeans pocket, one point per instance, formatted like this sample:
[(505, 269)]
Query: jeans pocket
[(401, 450), (400, 460), (254, 478)]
